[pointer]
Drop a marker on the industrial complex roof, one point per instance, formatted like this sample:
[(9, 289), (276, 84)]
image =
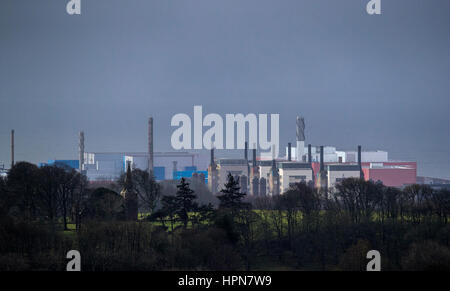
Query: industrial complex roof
[(232, 162), (294, 165), (265, 163), (343, 168)]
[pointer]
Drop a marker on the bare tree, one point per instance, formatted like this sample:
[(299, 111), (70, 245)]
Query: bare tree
[(145, 185)]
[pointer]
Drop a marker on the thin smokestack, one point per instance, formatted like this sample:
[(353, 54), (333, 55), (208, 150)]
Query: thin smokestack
[(12, 148), (361, 174), (246, 151), (150, 145), (322, 166), (359, 156), (212, 156), (254, 157), (81, 151), (246, 160), (309, 154), (289, 151)]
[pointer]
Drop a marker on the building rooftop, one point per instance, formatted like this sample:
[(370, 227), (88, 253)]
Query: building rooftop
[(343, 168), (265, 163), (232, 162), (294, 165), (145, 153)]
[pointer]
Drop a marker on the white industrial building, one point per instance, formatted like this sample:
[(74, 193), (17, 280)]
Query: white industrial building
[(337, 173), (331, 155), (264, 169), (236, 167), (294, 172)]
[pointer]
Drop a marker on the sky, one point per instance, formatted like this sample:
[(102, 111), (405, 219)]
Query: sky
[(381, 81)]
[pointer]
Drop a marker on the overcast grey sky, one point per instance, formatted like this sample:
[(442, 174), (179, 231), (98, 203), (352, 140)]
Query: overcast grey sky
[(380, 81)]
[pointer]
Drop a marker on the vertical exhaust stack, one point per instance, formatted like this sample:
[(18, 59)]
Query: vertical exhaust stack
[(246, 160), (81, 151), (322, 181), (300, 138), (310, 163), (212, 173), (211, 163), (274, 176), (254, 175), (360, 163), (322, 166), (246, 151), (289, 152), (150, 145), (12, 148), (309, 154), (359, 156)]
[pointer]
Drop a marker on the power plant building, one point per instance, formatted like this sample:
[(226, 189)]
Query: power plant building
[(337, 173), (104, 166), (322, 166), (392, 174), (294, 172), (332, 155), (236, 167)]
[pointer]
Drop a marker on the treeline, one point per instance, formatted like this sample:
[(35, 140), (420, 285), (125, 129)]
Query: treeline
[(61, 197), (334, 230), (50, 194), (47, 211)]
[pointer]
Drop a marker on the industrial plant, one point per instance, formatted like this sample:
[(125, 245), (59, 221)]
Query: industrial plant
[(317, 165)]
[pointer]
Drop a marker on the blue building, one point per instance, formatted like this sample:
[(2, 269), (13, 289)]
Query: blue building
[(177, 175), (159, 173), (73, 164)]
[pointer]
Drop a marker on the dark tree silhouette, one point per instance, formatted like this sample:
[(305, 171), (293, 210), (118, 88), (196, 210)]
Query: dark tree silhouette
[(185, 200), (231, 198), (23, 188), (50, 180), (105, 205), (169, 209)]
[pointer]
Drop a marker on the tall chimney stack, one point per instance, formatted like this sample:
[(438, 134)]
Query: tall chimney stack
[(289, 151), (359, 156), (246, 160), (212, 173), (246, 151), (254, 157), (360, 162), (309, 154), (150, 145), (81, 151), (12, 148), (322, 166)]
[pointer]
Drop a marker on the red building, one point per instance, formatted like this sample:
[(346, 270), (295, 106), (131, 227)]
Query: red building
[(394, 174)]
